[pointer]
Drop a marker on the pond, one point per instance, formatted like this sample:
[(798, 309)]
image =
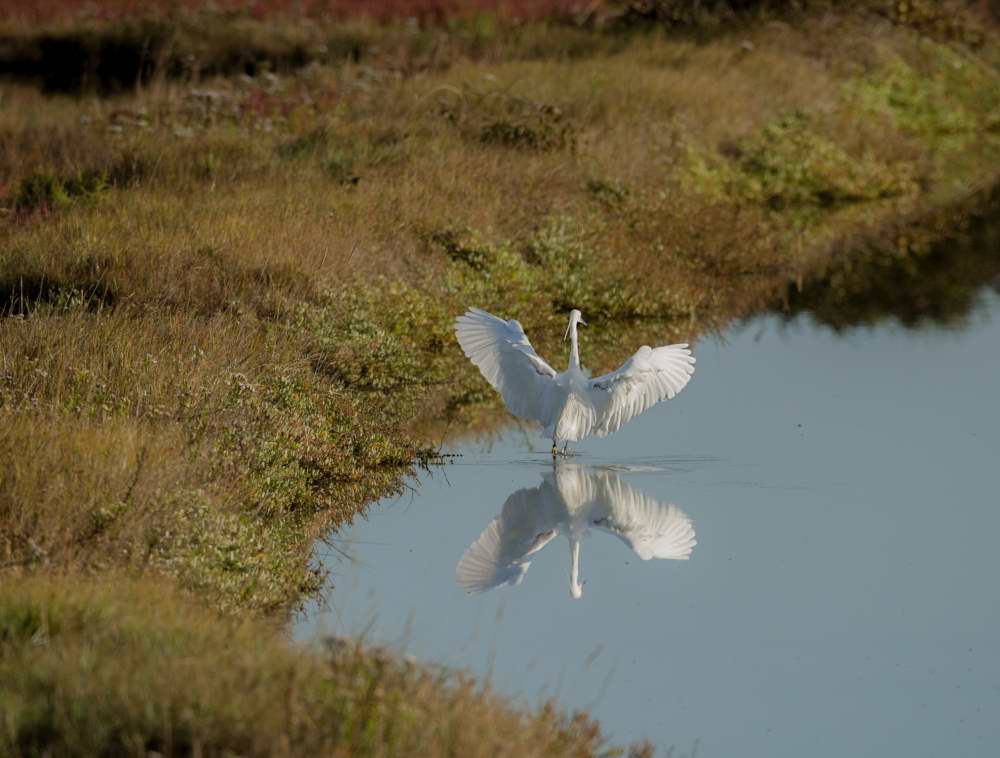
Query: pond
[(841, 486)]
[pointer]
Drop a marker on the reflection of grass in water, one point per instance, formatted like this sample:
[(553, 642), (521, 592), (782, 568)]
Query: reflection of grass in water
[(916, 283)]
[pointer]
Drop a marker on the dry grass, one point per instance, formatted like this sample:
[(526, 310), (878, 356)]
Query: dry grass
[(227, 300), (202, 448), (130, 669), (377, 10)]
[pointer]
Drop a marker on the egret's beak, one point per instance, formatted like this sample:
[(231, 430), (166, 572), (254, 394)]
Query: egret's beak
[(566, 335), (582, 322)]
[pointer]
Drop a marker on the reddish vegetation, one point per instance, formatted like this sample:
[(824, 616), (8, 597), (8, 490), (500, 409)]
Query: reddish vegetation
[(380, 10)]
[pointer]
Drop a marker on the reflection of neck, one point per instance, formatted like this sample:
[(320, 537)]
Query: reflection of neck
[(574, 351), (574, 566)]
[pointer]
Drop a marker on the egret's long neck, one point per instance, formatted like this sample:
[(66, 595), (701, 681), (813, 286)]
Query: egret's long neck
[(574, 566), (574, 348)]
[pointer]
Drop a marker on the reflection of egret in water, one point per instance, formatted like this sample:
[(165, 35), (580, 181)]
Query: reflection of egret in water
[(571, 500)]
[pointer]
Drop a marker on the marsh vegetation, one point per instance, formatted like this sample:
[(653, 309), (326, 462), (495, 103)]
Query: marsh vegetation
[(228, 271)]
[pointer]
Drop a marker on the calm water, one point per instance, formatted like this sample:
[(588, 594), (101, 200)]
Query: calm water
[(842, 598)]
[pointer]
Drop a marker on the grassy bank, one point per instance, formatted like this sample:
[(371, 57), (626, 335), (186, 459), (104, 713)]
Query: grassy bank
[(227, 301), (130, 669)]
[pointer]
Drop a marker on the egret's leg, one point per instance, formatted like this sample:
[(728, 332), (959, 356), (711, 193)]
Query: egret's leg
[(565, 448), (555, 450)]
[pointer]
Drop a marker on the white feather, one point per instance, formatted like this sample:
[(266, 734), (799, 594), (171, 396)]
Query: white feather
[(502, 352), (651, 529), (500, 554), (569, 405), (569, 501), (645, 379)]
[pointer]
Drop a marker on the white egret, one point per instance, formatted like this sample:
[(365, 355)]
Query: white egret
[(570, 501), (570, 405)]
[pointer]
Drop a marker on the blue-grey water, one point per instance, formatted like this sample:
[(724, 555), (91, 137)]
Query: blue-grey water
[(842, 598)]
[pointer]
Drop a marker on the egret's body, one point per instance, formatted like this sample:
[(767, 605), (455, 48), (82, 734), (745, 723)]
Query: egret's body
[(570, 501), (569, 405)]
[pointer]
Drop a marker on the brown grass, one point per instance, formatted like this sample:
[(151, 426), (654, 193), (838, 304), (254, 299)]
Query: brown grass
[(378, 10), (129, 668)]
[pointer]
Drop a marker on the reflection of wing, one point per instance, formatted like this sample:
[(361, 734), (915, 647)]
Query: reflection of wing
[(500, 555), (650, 528), (576, 485), (506, 358), (649, 376)]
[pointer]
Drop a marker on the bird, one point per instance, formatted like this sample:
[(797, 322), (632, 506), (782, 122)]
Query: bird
[(570, 501), (569, 405)]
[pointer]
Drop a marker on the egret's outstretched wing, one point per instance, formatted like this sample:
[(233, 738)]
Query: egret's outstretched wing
[(501, 553), (650, 528), (649, 376), (502, 352)]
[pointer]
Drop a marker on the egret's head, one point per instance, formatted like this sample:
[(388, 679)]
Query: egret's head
[(575, 317), (576, 589)]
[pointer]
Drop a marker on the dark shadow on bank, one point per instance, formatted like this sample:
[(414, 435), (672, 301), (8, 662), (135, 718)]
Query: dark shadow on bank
[(903, 279)]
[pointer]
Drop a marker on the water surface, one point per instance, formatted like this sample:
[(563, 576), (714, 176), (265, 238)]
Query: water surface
[(841, 598)]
